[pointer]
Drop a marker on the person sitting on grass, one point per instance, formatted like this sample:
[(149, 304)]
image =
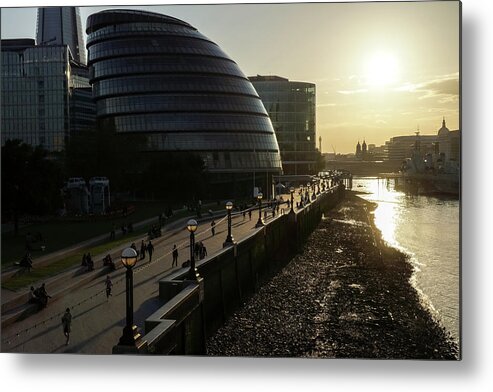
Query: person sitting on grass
[(108, 261), (89, 263), (43, 296), (33, 298)]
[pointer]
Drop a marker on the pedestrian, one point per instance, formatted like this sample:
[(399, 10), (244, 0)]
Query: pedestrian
[(150, 249), (175, 256), (112, 233), (250, 214), (213, 227), (66, 322), (203, 252), (142, 250), (109, 284), (244, 213)]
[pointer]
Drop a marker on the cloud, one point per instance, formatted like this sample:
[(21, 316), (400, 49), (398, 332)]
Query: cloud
[(357, 91), (323, 105), (445, 88)]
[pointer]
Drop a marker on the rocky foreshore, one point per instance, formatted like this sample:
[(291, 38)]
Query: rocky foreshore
[(347, 295)]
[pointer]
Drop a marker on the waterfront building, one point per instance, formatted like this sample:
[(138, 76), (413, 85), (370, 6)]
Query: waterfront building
[(45, 96), (448, 143), (401, 147), (158, 77), (291, 107), (61, 26)]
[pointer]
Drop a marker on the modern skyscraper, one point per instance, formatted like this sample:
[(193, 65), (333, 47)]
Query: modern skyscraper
[(61, 26), (45, 97), (158, 77), (291, 107)]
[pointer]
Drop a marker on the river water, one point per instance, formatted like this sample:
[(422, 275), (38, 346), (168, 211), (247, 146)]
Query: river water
[(426, 228)]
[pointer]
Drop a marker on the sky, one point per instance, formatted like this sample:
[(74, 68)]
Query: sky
[(381, 69)]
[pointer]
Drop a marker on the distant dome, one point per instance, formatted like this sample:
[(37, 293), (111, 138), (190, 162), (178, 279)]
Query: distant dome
[(443, 131)]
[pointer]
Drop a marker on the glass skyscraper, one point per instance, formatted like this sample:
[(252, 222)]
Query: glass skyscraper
[(291, 107), (35, 95), (159, 77), (45, 95), (61, 26)]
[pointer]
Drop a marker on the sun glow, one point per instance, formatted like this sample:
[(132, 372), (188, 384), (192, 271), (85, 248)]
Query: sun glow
[(382, 70)]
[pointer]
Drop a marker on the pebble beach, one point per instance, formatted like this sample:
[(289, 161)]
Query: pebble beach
[(346, 295)]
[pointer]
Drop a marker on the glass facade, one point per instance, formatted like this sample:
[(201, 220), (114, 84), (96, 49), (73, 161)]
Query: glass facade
[(291, 107), (158, 76), (61, 26), (44, 98), (35, 99)]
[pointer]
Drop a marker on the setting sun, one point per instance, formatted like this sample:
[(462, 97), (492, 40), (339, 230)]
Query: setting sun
[(381, 70)]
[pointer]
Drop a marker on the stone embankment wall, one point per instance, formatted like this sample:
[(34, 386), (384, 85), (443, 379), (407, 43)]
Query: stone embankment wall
[(346, 295), (193, 312)]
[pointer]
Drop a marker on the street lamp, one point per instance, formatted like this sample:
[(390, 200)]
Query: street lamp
[(192, 228), (260, 223), (229, 238), (130, 335), (291, 190)]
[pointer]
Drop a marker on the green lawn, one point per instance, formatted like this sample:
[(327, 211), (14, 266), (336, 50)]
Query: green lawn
[(97, 251), (40, 273), (59, 235)]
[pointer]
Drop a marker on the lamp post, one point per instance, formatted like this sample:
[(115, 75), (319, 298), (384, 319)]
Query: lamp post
[(291, 190), (308, 192), (229, 238), (130, 335), (192, 227), (260, 223)]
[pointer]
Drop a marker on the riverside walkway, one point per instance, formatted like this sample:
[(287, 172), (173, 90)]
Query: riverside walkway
[(97, 321)]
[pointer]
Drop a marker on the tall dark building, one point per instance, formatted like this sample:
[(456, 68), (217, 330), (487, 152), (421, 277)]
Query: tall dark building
[(61, 26), (157, 76), (46, 96), (291, 107)]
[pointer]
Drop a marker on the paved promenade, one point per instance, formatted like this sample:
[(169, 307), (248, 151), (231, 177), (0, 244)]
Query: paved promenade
[(97, 321)]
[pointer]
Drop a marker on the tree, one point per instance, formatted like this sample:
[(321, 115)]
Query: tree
[(31, 182)]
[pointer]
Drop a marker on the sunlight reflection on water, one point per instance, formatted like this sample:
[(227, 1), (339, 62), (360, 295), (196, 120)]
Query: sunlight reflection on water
[(427, 229)]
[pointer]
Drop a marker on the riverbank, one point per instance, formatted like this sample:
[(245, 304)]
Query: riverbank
[(347, 295)]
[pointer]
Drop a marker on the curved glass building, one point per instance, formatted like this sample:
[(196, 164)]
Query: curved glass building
[(158, 76)]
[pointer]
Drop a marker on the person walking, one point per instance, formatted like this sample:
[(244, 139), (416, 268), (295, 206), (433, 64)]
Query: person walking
[(109, 284), (249, 214), (66, 323), (150, 249), (175, 256), (213, 227), (142, 250)]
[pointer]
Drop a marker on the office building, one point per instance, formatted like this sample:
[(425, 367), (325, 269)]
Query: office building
[(61, 26), (45, 96), (291, 107), (157, 76), (401, 147)]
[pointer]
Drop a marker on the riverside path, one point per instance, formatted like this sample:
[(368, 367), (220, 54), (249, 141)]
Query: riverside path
[(98, 322)]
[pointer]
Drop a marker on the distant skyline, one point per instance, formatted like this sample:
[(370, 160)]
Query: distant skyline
[(381, 69)]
